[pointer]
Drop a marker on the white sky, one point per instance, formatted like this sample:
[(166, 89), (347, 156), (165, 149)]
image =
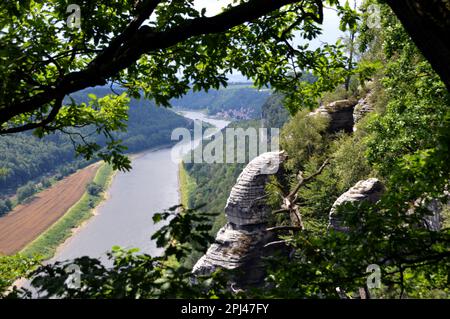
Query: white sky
[(212, 6)]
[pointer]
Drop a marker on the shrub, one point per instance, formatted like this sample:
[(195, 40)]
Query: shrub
[(302, 137), (5, 206), (94, 189), (25, 191), (46, 183)]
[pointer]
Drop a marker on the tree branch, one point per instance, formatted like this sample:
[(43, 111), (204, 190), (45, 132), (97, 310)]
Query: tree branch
[(277, 242), (284, 228), (303, 181), (50, 117), (135, 41)]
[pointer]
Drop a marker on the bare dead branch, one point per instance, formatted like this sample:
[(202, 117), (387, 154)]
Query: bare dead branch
[(309, 178), (280, 211), (284, 228), (277, 242)]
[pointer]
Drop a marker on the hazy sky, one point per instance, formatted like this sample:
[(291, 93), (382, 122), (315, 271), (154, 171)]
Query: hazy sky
[(330, 26)]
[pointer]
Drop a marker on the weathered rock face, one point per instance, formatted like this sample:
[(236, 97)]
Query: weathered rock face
[(339, 113), (366, 190), (244, 205), (434, 222), (236, 248), (435, 206), (362, 109), (239, 244)]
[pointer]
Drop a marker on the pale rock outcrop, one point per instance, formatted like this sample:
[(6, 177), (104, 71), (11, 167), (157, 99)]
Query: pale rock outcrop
[(362, 109), (239, 244), (435, 206), (371, 190), (434, 221), (366, 190), (339, 114)]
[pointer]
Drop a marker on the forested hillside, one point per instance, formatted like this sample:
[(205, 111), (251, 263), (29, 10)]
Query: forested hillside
[(147, 126), (396, 134), (25, 158), (273, 113), (210, 184)]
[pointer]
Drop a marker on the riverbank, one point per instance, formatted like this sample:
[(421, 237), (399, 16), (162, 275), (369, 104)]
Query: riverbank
[(48, 242), (186, 185), (181, 110)]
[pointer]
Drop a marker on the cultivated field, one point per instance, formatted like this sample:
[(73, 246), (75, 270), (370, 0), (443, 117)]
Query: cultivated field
[(26, 222)]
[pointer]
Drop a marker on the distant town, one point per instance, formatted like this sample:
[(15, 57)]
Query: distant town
[(236, 114)]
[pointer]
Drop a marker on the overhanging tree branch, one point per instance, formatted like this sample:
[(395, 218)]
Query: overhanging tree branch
[(50, 118)]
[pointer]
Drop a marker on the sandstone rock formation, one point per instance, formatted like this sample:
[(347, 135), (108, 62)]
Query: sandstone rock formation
[(339, 113), (371, 190), (434, 222), (435, 206), (239, 244), (365, 190), (362, 109)]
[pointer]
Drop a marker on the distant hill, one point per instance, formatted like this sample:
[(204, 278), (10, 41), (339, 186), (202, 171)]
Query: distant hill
[(24, 157), (237, 101), (148, 124), (273, 112)]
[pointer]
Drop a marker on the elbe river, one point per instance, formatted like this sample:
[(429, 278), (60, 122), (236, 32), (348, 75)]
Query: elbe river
[(125, 217)]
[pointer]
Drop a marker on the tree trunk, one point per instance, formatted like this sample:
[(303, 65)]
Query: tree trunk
[(428, 24), (350, 60)]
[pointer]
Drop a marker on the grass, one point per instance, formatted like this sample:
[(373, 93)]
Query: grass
[(46, 244), (187, 185)]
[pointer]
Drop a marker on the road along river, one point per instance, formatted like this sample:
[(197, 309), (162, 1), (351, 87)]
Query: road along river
[(125, 217)]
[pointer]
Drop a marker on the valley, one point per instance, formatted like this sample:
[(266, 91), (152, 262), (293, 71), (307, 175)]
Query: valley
[(125, 217), (322, 172)]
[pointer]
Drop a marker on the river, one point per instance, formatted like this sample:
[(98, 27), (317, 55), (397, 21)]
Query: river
[(125, 217)]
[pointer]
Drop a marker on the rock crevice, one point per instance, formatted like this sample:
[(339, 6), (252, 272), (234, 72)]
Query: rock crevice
[(339, 114)]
